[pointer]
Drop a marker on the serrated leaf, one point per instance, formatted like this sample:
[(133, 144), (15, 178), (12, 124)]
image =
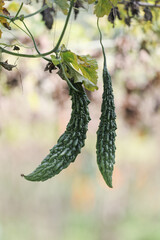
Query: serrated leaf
[(70, 57), (63, 5), (103, 7), (3, 20), (80, 78), (55, 61), (86, 66)]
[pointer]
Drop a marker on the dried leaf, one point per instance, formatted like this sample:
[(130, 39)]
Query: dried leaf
[(7, 66)]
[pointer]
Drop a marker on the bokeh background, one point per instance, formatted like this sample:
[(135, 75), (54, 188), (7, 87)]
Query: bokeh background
[(34, 111)]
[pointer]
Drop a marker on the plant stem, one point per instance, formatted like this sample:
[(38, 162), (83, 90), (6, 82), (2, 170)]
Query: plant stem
[(142, 4), (25, 55), (39, 11), (26, 16), (100, 34), (66, 78), (21, 28), (54, 50), (35, 45), (18, 11), (65, 26)]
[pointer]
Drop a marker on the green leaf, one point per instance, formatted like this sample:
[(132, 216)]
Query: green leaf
[(70, 57), (55, 61), (63, 5), (49, 3), (80, 78), (86, 66), (103, 7), (91, 1)]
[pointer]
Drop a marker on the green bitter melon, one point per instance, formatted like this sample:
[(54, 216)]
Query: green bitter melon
[(107, 128), (71, 141)]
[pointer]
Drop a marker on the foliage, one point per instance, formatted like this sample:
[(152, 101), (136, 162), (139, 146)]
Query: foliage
[(83, 68), (73, 63), (73, 68), (103, 8), (3, 20)]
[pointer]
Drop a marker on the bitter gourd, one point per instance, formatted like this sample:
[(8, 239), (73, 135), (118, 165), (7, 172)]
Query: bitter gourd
[(107, 128), (71, 141)]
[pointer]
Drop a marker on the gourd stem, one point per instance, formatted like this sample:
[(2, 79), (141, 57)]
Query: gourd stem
[(66, 78), (100, 34)]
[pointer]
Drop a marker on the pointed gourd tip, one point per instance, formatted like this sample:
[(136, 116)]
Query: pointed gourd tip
[(109, 182), (110, 185), (25, 176)]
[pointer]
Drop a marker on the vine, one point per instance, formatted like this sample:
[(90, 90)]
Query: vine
[(78, 71)]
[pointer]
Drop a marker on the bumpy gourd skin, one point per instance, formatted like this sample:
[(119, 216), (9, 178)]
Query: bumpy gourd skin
[(71, 141), (106, 131)]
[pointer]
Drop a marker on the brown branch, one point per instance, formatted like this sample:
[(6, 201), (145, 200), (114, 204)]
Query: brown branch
[(143, 4)]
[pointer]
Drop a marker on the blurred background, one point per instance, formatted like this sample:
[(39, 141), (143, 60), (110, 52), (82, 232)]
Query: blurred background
[(34, 111)]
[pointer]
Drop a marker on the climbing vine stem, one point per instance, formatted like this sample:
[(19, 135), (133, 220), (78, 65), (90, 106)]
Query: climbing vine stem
[(16, 16), (54, 50), (24, 16), (100, 38)]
